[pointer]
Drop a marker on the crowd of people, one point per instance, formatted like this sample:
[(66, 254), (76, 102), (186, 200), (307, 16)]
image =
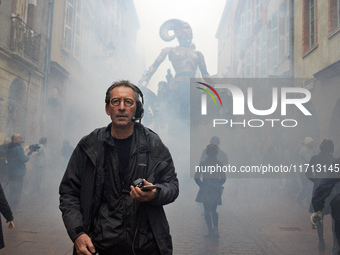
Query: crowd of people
[(14, 157)]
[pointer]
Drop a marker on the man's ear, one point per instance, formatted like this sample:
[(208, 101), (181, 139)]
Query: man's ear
[(107, 109)]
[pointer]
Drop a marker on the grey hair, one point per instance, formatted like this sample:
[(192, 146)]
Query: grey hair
[(124, 83)]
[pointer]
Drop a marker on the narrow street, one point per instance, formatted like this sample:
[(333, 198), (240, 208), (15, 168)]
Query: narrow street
[(252, 221)]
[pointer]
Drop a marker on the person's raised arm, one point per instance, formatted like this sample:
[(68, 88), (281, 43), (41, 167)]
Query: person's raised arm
[(153, 68)]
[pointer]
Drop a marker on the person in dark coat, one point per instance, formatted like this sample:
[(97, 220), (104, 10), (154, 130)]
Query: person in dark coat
[(101, 210), (327, 187), (16, 159), (210, 189), (315, 172), (221, 155), (3, 160), (7, 213)]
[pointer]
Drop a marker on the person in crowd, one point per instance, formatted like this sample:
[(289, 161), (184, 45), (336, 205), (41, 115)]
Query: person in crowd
[(40, 163), (210, 190), (7, 213), (326, 188), (3, 160), (221, 155), (103, 208), (324, 159), (16, 159), (66, 152), (305, 155)]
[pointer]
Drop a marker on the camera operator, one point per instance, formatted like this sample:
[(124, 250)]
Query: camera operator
[(106, 209), (16, 159)]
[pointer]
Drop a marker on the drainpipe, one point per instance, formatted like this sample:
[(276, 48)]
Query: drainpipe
[(291, 36), (24, 132), (47, 64)]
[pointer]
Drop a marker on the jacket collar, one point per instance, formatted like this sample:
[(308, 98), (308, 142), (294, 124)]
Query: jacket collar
[(12, 145), (139, 133), (93, 143)]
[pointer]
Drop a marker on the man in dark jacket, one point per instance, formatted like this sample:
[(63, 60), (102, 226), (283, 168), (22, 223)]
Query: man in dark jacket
[(16, 159), (3, 160), (324, 190), (102, 211)]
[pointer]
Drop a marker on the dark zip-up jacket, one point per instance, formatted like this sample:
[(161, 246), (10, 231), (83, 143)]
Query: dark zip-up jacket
[(326, 187), (81, 189), (6, 211), (16, 160)]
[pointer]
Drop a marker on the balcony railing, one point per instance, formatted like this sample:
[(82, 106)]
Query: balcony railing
[(24, 41)]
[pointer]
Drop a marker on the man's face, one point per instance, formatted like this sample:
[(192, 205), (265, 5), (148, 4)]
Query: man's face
[(121, 114)]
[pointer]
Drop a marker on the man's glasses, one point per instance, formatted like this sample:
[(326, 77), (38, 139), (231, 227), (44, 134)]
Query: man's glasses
[(127, 102)]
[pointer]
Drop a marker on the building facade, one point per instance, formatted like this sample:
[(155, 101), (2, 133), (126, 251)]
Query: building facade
[(287, 39), (255, 39), (22, 67), (57, 58), (317, 58), (92, 44), (255, 46)]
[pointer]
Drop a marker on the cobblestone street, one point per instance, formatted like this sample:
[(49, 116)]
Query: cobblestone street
[(252, 221)]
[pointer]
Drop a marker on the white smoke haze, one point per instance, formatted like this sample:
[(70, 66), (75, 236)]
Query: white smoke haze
[(203, 17), (86, 112)]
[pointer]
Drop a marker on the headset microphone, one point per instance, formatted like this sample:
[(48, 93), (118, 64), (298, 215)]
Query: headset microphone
[(134, 119)]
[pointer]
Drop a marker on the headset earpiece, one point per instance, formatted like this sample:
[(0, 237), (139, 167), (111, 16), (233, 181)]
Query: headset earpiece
[(139, 110)]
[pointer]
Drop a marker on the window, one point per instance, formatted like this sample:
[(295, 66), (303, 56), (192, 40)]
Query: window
[(309, 25), (77, 30), (284, 31), (333, 15), (287, 29), (257, 59), (264, 53), (275, 39), (257, 10), (248, 64), (242, 33), (68, 26), (72, 29), (248, 17), (338, 12)]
